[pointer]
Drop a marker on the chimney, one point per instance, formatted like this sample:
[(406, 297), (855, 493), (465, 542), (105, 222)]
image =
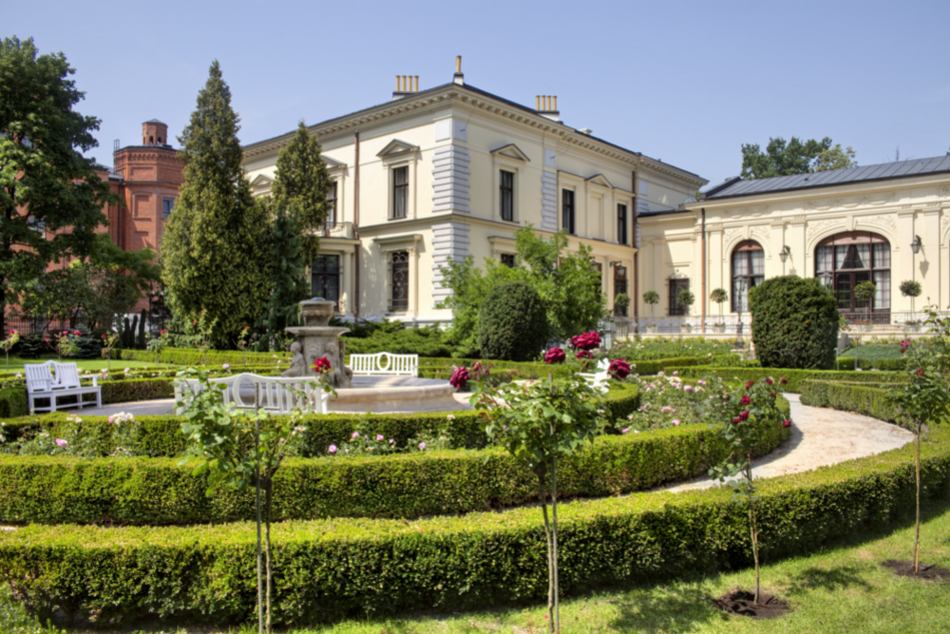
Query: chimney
[(406, 85), (546, 105), (154, 132), (458, 78)]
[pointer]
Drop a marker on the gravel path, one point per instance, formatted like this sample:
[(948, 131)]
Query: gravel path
[(820, 437)]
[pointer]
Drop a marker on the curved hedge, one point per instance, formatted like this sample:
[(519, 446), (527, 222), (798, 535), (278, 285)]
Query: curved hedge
[(145, 491), (870, 400), (332, 568), (795, 377)]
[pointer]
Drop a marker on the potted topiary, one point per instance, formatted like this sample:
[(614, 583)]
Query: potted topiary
[(911, 289), (686, 298), (621, 302), (719, 296), (864, 293), (652, 298)]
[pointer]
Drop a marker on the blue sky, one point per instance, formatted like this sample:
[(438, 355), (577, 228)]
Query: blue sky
[(685, 82)]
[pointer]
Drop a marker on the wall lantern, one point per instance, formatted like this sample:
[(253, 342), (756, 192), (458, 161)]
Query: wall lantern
[(785, 252), (825, 278), (916, 244)]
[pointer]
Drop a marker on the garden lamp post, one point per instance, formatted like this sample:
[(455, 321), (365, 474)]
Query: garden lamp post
[(740, 292), (916, 244)]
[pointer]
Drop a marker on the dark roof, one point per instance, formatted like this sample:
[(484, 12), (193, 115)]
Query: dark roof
[(661, 212), (485, 93), (156, 121), (868, 173)]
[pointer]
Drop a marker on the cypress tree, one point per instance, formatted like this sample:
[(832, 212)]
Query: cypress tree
[(215, 247), (287, 269), (301, 184)]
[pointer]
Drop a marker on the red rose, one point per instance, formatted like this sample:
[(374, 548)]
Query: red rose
[(321, 365), (737, 420), (619, 369), (749, 385), (783, 380), (787, 423), (746, 400), (769, 381), (744, 415), (919, 372), (76, 332), (554, 355), (459, 378), (584, 354)]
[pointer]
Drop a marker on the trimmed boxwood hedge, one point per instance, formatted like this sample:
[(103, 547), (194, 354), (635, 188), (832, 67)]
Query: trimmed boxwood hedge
[(159, 491), (870, 400), (192, 356), (333, 568), (161, 435), (795, 377), (888, 365)]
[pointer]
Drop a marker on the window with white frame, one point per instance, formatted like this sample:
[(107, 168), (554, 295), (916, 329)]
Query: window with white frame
[(398, 281), (400, 192)]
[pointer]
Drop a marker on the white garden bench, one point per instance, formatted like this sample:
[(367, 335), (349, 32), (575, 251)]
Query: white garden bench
[(384, 364), (277, 393), (599, 379), (51, 380)]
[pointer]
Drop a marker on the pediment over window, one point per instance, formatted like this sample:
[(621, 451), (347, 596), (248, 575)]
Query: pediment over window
[(332, 163), (397, 148), (261, 182), (599, 179), (511, 151)]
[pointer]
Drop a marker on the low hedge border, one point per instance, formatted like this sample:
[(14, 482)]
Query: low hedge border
[(192, 356), (160, 436), (333, 568), (888, 365), (870, 400), (143, 491), (795, 377)]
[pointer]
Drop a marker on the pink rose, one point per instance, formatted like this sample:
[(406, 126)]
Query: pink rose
[(60, 442), (619, 369), (459, 378), (332, 449), (787, 423), (554, 355)]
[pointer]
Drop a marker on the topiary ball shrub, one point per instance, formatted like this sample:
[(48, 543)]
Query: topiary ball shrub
[(512, 323), (794, 323)]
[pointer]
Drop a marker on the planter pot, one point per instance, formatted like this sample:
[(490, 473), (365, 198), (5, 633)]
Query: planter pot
[(651, 330), (686, 328), (912, 327), (721, 329)]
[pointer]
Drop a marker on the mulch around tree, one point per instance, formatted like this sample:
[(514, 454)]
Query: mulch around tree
[(742, 603), (927, 572)]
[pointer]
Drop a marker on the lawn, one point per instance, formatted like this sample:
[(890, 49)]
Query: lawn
[(842, 589), (16, 363), (873, 351)]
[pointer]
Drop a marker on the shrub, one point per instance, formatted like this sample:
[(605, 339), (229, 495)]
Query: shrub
[(794, 323), (512, 323), (334, 568), (870, 400), (394, 337), (192, 356), (795, 377)]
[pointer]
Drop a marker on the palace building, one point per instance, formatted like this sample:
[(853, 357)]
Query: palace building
[(454, 171)]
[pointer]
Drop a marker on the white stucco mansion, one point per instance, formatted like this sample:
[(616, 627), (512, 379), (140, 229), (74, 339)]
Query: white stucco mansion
[(454, 171)]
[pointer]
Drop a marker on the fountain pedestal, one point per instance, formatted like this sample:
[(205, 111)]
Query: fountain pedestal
[(316, 339)]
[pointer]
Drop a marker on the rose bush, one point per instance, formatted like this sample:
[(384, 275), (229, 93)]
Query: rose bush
[(554, 355)]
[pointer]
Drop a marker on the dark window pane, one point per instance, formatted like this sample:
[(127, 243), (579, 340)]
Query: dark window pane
[(325, 278), (567, 201), (508, 259), (168, 204), (399, 263), (676, 286), (400, 191), (622, 224), (331, 205), (507, 195)]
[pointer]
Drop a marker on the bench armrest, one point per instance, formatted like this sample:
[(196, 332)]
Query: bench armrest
[(94, 377)]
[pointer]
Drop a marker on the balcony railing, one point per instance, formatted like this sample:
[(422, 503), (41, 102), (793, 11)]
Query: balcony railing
[(338, 230)]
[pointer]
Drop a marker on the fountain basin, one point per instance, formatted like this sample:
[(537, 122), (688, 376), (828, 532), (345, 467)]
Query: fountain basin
[(396, 394)]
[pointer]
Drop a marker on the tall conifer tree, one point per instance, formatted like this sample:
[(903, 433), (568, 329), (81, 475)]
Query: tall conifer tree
[(287, 270), (301, 184), (216, 243)]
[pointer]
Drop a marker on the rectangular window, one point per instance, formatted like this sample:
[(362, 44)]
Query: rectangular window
[(567, 202), (399, 281), (507, 180), (621, 224), (331, 206), (676, 287), (325, 279), (508, 259), (167, 205), (620, 286), (400, 191)]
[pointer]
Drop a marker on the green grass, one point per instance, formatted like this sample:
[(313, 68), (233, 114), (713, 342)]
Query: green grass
[(16, 363), (873, 351), (839, 590)]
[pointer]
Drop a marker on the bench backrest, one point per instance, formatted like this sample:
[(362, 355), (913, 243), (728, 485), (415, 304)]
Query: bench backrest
[(39, 376), (278, 394), (67, 375), (385, 363)]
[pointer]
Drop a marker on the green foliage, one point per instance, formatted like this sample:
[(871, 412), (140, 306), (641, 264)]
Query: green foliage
[(512, 323), (331, 568), (287, 272), (651, 297), (46, 184), (794, 377), (794, 323), (140, 334), (910, 288), (301, 185), (868, 399), (668, 348), (217, 238), (370, 337), (622, 301), (719, 296), (15, 619), (192, 356), (793, 157), (565, 281)]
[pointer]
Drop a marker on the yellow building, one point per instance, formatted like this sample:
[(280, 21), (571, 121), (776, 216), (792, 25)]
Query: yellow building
[(454, 171), (882, 223)]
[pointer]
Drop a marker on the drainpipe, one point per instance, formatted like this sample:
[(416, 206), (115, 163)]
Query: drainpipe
[(636, 257), (704, 270), (356, 229)]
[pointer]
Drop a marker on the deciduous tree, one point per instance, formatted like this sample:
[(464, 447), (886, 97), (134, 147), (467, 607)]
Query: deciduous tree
[(215, 249), (783, 158), (51, 197)]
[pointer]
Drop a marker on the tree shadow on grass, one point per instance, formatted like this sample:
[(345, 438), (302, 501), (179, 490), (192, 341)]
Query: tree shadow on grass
[(687, 608), (832, 580)]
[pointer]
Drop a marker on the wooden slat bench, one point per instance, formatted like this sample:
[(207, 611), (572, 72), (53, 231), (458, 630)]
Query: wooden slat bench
[(384, 364), (51, 380), (240, 391)]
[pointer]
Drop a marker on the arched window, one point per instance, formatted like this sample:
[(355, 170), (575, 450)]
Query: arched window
[(845, 260), (748, 270), (151, 141)]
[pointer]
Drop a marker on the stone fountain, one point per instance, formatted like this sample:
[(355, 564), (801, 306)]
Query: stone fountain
[(316, 339)]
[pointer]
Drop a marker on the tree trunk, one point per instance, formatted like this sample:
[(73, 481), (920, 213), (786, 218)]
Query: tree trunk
[(269, 484), (547, 534), (557, 607), (755, 534), (917, 527), (257, 486)]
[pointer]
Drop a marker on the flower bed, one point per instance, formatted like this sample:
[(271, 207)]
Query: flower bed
[(332, 568)]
